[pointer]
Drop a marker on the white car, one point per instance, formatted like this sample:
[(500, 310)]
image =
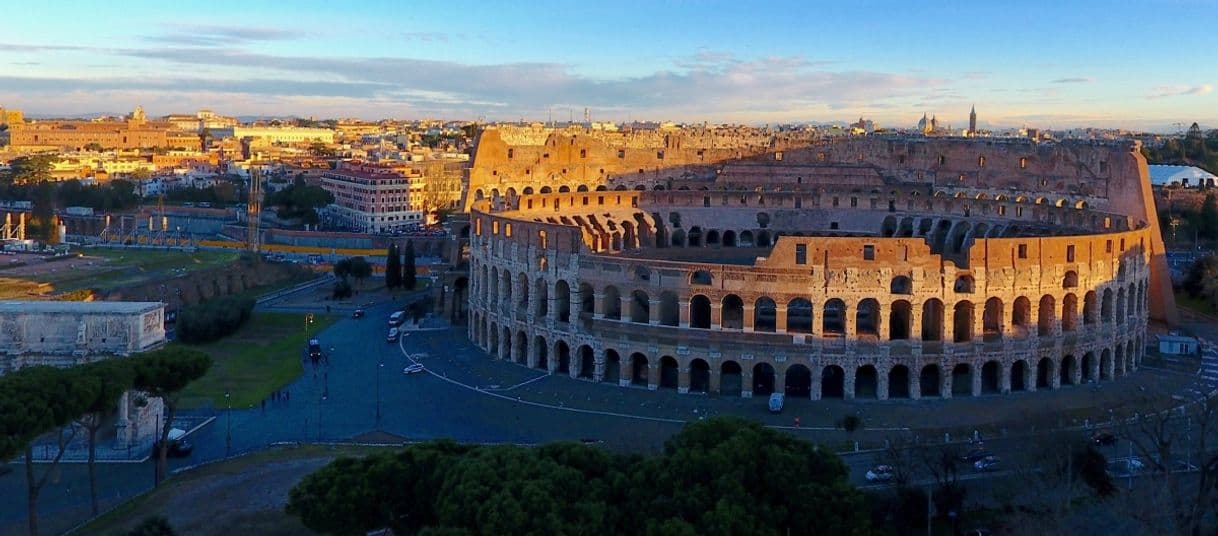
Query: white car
[(988, 463), (393, 335), (880, 473), (413, 369)]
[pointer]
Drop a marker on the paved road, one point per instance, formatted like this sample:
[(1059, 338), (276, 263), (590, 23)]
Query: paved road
[(468, 398)]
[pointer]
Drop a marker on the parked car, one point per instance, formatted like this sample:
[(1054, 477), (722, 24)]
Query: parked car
[(776, 402), (880, 474), (988, 463), (358, 313), (178, 446), (1126, 466), (393, 335), (1103, 438), (413, 369), (976, 455), (396, 319), (314, 350)]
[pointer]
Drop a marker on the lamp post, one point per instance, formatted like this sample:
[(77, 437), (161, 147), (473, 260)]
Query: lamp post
[(228, 419), (379, 366)]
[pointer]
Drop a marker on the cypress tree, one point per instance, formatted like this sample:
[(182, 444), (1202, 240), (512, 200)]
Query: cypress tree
[(408, 269), (393, 269), (1209, 217)]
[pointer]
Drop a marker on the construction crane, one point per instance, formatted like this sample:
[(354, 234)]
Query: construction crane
[(253, 213)]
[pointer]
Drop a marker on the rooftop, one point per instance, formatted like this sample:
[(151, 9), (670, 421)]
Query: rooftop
[(71, 307)]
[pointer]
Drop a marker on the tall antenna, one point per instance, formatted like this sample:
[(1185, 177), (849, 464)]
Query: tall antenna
[(253, 212)]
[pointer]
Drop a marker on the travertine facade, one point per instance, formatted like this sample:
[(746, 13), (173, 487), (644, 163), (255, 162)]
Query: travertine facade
[(872, 267)]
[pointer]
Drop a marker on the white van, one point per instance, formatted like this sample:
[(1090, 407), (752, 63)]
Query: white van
[(396, 319)]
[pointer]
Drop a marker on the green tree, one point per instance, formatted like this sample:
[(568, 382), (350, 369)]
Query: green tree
[(165, 373), (35, 401), (31, 169), (342, 269), (393, 268), (114, 377), (1207, 222), (360, 269), (409, 272)]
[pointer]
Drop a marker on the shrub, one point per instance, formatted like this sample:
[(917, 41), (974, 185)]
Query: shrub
[(213, 319)]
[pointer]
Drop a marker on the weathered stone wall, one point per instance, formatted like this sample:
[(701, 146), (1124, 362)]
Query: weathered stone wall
[(198, 286)]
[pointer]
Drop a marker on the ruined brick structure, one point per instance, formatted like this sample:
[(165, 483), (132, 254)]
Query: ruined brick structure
[(877, 267)]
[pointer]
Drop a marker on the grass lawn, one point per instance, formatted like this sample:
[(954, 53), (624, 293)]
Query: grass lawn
[(261, 357), (254, 483), (1196, 304)]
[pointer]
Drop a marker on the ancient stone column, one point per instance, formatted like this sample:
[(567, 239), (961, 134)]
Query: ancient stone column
[(1004, 379), (624, 302), (684, 314), (881, 384), (749, 317), (653, 311), (746, 380), (848, 382), (915, 383), (683, 380), (945, 381), (976, 377), (817, 373), (716, 312), (598, 305), (716, 379), (780, 318)]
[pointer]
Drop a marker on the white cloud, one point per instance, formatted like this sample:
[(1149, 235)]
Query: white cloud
[(1179, 90)]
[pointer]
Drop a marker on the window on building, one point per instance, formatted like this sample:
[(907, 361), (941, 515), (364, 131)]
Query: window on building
[(869, 252), (777, 155), (833, 225), (1023, 163), (621, 153), (511, 152), (835, 201), (1107, 246), (854, 201), (1070, 253), (583, 153), (942, 160), (659, 155), (801, 254), (980, 161), (1023, 251), (706, 200)]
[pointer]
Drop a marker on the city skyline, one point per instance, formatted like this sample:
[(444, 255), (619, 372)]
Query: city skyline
[(1049, 66)]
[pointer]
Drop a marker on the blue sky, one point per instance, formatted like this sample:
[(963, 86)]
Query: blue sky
[(1144, 65)]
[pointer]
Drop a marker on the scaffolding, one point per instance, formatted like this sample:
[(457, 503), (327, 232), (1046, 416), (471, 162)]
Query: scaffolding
[(13, 231)]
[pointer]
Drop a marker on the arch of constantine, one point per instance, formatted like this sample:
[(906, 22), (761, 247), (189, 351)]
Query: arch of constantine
[(864, 268)]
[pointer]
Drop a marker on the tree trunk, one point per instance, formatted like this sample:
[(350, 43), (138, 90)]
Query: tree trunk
[(163, 452), (31, 490)]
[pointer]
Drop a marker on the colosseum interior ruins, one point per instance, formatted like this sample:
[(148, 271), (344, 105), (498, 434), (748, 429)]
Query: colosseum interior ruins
[(741, 262)]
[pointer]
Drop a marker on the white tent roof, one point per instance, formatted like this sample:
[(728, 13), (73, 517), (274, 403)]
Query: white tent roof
[(1162, 175)]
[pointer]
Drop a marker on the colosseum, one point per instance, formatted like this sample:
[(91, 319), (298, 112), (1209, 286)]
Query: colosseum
[(740, 262)]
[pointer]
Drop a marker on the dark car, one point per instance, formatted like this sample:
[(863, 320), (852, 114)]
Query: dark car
[(1103, 438), (358, 313), (178, 448), (976, 455)]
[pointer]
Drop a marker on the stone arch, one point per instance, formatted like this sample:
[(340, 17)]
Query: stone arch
[(1045, 371), (562, 300), (867, 318), (712, 237), (962, 380), (1019, 372), (613, 367), (670, 372), (797, 381), (833, 382), (640, 307), (1087, 366), (546, 190), (991, 319), (1068, 370), (964, 284), (1021, 313), (528, 190), (962, 321), (930, 381), (541, 353), (612, 303), (898, 382), (763, 379), (587, 299), (587, 363), (564, 189), (729, 238), (581, 188), (765, 315), (701, 277), (763, 239), (1070, 280), (991, 372), (562, 353), (1106, 306), (639, 372), (1106, 365), (1045, 319), (694, 238), (900, 316), (746, 239), (542, 288), (901, 285), (866, 382), (1069, 312), (678, 238), (522, 348), (670, 311), (1090, 311), (699, 312), (522, 283), (730, 379), (833, 318), (932, 320), (699, 376), (732, 312), (799, 316)]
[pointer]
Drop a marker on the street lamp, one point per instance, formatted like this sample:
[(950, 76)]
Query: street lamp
[(379, 366), (228, 418)]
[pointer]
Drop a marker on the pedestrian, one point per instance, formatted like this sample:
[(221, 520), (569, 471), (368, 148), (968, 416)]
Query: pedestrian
[(797, 422)]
